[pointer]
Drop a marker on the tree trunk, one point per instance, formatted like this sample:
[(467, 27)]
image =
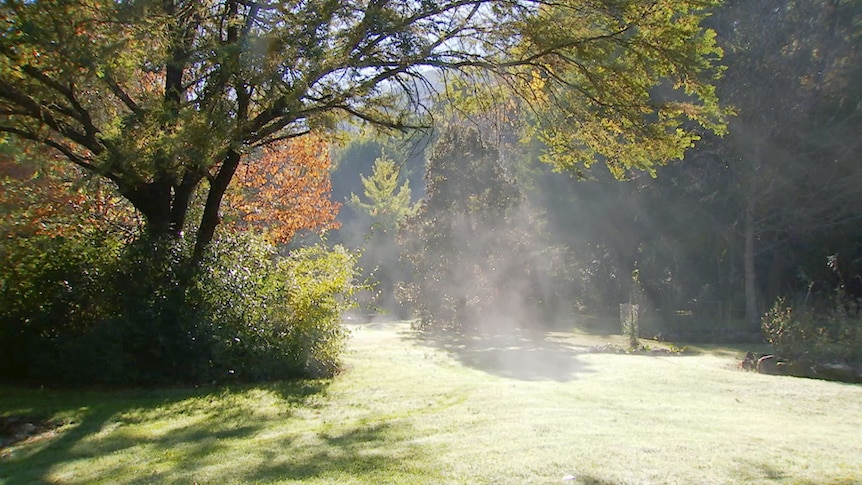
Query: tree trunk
[(180, 205), (211, 218), (164, 205), (153, 201), (752, 316)]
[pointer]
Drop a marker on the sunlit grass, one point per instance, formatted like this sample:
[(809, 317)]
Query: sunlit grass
[(501, 409)]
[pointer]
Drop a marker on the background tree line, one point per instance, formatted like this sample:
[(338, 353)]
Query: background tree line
[(769, 210)]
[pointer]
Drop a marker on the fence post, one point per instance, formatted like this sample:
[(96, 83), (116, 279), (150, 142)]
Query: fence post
[(629, 321)]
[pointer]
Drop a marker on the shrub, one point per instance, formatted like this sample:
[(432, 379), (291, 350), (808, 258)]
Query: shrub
[(812, 335), (76, 313), (273, 318), (51, 291), (149, 336), (229, 301), (320, 285)]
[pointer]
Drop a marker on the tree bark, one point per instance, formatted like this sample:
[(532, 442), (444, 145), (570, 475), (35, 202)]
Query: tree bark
[(182, 199), (211, 219), (752, 316), (153, 201)]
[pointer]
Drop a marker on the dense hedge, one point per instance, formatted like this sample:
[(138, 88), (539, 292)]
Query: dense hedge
[(52, 290), (87, 310)]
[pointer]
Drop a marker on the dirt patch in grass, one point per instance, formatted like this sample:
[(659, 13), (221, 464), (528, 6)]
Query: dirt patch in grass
[(19, 429)]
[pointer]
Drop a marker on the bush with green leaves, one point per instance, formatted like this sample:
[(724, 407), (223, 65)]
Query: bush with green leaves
[(817, 334), (52, 289), (142, 314), (320, 284), (271, 317)]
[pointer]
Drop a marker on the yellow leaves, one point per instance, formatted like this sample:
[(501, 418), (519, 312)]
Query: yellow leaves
[(285, 189), (536, 87), (388, 203), (628, 86)]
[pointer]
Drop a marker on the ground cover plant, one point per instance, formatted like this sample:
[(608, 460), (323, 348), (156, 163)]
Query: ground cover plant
[(508, 408)]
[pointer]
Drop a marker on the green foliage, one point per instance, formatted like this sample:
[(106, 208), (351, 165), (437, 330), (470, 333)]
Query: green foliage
[(103, 84), (466, 194), (143, 315), (643, 73), (107, 87), (271, 318), (629, 319), (147, 335), (817, 335), (473, 252), (167, 99), (320, 284), (51, 290), (387, 202)]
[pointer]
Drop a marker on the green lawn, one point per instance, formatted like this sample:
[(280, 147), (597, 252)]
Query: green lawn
[(409, 409)]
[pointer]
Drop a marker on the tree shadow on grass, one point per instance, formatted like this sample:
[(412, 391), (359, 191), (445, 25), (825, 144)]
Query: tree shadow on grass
[(171, 435), (588, 480), (367, 452), (522, 355), (85, 415)]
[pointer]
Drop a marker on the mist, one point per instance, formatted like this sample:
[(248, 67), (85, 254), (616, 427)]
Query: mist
[(501, 244)]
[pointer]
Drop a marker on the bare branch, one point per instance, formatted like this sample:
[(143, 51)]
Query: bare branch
[(121, 94)]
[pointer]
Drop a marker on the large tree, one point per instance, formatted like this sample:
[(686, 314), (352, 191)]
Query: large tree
[(467, 255), (166, 97)]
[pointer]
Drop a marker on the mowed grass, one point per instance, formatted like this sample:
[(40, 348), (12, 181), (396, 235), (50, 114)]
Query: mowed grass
[(516, 408)]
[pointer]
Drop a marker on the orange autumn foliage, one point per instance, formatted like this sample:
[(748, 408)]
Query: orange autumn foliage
[(284, 189), (54, 199)]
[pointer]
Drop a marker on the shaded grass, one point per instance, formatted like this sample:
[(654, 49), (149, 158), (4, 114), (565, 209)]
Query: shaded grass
[(509, 408)]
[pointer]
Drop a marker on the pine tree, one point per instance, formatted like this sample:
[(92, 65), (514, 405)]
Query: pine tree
[(387, 202)]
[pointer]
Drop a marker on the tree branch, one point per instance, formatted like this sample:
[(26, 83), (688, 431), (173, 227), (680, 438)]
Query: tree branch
[(78, 112), (44, 115), (78, 159), (121, 94)]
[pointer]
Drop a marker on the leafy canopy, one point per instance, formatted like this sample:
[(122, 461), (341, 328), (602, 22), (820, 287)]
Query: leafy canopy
[(284, 189), (624, 82), (167, 97)]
